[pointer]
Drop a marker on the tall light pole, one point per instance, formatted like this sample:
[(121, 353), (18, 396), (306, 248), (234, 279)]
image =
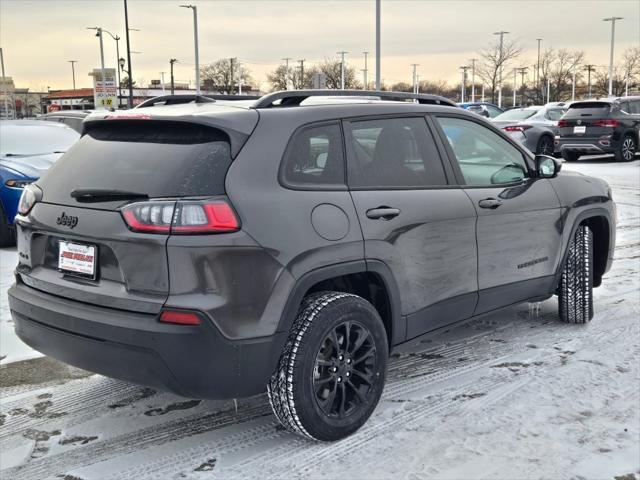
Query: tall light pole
[(162, 80), (99, 35), (4, 86), (342, 54), (613, 34), (171, 62), (538, 68), (502, 33), (366, 72), (523, 72), (286, 72), (378, 85), (73, 72), (126, 26), (117, 40), (463, 87), (589, 68), (195, 41), (415, 78), (573, 84), (515, 86), (473, 79), (301, 61)]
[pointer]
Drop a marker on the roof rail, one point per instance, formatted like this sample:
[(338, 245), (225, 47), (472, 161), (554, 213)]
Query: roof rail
[(182, 99), (292, 98)]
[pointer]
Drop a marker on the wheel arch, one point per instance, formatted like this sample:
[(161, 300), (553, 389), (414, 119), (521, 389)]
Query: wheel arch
[(371, 280)]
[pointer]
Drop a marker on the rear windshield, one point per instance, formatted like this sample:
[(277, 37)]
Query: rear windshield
[(516, 114), (588, 109), (159, 159)]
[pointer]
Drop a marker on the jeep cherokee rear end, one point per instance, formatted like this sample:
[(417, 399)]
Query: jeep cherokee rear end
[(146, 197)]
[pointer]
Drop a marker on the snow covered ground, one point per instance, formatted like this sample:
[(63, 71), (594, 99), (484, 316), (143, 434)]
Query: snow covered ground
[(511, 395)]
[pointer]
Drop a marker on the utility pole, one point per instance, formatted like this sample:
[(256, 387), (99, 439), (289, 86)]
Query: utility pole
[(171, 62), (342, 54), (515, 86), (366, 72), (302, 73), (523, 72), (548, 90), (415, 79), (378, 85), (233, 76), (162, 80), (573, 84), (589, 68), (73, 72), (538, 68), (473, 79), (502, 33), (4, 86), (195, 42), (126, 26), (286, 72), (463, 87), (613, 34)]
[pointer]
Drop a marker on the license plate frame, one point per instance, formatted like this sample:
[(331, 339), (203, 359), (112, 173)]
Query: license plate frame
[(579, 129), (75, 266)]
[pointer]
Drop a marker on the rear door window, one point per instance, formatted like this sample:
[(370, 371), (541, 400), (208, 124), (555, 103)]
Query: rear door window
[(315, 158), (160, 159), (394, 153)]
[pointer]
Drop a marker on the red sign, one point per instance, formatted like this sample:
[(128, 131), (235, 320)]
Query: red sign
[(54, 108)]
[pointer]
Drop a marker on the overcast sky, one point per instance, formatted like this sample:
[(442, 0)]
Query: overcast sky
[(39, 36)]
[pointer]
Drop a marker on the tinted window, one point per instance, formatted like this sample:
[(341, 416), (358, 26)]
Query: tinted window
[(634, 106), (484, 157), (493, 111), (554, 114), (315, 157), (587, 109), (157, 158), (516, 114), (395, 152)]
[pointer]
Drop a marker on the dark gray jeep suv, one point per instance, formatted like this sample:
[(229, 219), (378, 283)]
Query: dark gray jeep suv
[(214, 249)]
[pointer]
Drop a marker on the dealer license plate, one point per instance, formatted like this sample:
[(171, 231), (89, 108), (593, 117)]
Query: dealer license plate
[(580, 130), (77, 259)]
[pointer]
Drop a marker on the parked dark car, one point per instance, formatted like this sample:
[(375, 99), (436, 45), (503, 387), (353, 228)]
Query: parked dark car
[(485, 109), (213, 250), (71, 118), (603, 126)]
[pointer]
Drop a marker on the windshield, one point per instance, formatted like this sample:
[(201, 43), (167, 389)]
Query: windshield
[(29, 139), (516, 114)]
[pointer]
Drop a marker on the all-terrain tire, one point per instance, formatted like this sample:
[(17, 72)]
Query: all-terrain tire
[(575, 292), (309, 356), (627, 149), (7, 232)]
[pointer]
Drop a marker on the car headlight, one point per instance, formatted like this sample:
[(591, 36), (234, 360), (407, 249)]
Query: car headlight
[(17, 183), (30, 196)]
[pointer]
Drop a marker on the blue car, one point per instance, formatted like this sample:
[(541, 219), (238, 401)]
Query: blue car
[(27, 150)]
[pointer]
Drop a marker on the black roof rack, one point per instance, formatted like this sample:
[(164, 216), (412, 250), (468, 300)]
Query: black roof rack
[(182, 99), (292, 98)]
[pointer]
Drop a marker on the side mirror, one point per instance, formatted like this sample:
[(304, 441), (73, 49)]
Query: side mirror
[(547, 167)]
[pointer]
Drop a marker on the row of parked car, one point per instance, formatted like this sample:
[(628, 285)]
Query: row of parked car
[(603, 126), (571, 129)]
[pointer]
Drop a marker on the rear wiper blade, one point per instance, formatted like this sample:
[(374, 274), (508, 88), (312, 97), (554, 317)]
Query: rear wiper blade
[(104, 195)]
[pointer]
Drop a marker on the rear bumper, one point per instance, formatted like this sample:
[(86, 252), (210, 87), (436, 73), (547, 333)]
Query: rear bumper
[(585, 146), (192, 361)]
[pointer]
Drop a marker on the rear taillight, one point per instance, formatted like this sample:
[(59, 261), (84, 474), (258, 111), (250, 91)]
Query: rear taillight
[(182, 217), (562, 123), (179, 317), (517, 128), (30, 196), (609, 122)]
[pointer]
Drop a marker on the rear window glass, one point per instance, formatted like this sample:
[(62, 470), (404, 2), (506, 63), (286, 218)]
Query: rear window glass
[(516, 114), (587, 109), (160, 159)]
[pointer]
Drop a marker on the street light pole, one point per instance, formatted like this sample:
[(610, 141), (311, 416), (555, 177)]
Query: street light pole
[(342, 53), (286, 72), (126, 26), (171, 62), (4, 86), (378, 85), (473, 79), (613, 33), (73, 72), (515, 86), (195, 41), (502, 33), (573, 84), (366, 72), (415, 78), (589, 68), (538, 68), (117, 39), (463, 87)]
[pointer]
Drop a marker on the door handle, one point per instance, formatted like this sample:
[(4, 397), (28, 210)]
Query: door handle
[(491, 203), (384, 213)]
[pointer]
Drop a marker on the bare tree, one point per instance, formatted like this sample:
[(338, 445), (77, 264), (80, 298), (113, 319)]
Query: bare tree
[(556, 69), (333, 73), (492, 58), (224, 75), (437, 87), (278, 77), (402, 87)]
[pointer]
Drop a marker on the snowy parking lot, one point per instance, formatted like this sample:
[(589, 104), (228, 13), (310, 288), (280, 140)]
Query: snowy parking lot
[(514, 394)]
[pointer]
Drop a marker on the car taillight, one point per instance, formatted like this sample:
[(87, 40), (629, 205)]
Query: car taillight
[(180, 317), (30, 196), (606, 123), (181, 217), (517, 128), (562, 123)]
